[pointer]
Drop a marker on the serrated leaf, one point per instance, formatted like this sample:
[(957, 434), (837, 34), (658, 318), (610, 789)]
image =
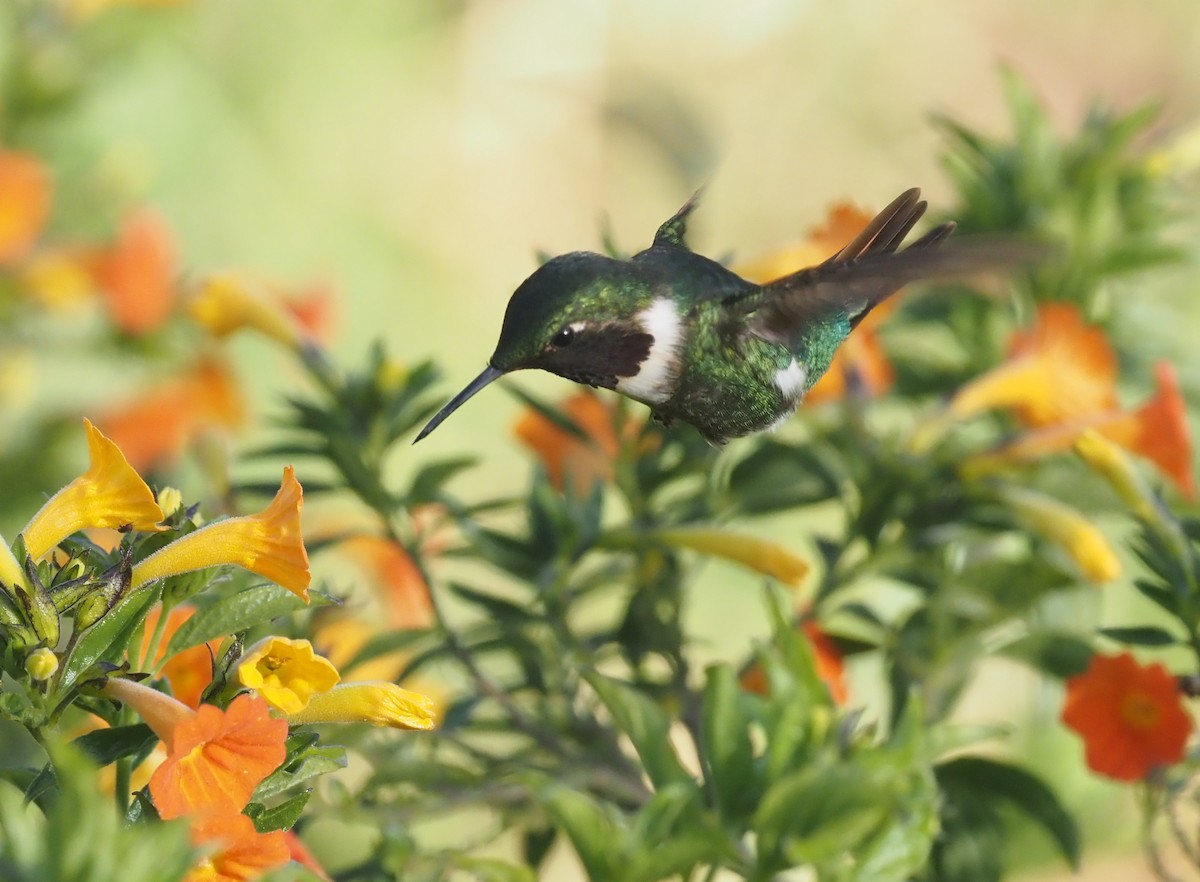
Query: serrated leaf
[(1024, 791), (646, 725), (312, 762), (280, 817), (237, 612), (115, 629)]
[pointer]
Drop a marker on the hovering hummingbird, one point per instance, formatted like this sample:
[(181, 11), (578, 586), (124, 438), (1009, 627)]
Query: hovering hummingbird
[(698, 343)]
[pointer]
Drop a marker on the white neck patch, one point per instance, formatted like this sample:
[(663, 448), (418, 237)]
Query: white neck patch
[(656, 377), (790, 379)]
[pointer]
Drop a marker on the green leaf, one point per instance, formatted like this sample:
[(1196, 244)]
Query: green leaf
[(426, 485), (237, 612), (592, 829), (494, 870), (1142, 635), (994, 780), (308, 764), (1057, 653), (281, 817), (728, 754), (109, 745), (820, 812), (114, 631), (647, 726)]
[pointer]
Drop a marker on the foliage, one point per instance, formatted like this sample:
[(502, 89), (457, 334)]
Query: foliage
[(927, 535)]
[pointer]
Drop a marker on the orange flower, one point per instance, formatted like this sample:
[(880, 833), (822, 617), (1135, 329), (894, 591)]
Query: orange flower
[(828, 660), (109, 494), (861, 358), (567, 456), (215, 758), (404, 592), (243, 853), (189, 672), (315, 308), (299, 852), (137, 274), (1158, 431), (158, 426), (1060, 369), (269, 543), (844, 222), (1131, 717), (25, 194)]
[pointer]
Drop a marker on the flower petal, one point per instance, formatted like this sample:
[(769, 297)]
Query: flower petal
[(286, 672), (109, 494), (269, 543), (25, 194), (377, 702)]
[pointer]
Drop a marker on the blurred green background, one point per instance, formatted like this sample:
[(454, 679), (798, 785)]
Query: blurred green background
[(417, 155)]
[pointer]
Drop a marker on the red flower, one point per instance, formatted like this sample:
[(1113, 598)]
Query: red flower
[(1131, 717)]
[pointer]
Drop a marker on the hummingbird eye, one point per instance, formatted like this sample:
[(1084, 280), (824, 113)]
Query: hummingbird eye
[(563, 337)]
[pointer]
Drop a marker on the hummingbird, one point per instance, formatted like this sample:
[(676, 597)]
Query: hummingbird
[(696, 342)]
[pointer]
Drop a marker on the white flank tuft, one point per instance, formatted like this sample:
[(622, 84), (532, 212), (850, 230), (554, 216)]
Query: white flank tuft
[(791, 379), (655, 380)]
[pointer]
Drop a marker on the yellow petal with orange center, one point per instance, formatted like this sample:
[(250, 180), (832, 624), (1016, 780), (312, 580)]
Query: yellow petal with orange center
[(227, 303), (762, 555), (1069, 529), (269, 543), (378, 703), (109, 494), (286, 672)]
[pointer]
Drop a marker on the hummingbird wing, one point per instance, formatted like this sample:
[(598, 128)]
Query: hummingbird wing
[(868, 270)]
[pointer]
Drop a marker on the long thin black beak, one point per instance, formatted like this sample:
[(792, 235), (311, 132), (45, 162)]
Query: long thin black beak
[(489, 374)]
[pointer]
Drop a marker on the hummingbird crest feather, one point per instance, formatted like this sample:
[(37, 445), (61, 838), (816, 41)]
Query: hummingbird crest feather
[(674, 231)]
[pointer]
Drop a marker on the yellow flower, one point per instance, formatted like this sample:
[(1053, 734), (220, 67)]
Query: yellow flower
[(109, 494), (57, 279), (768, 558), (287, 673), (375, 702), (269, 543), (1069, 529), (225, 303)]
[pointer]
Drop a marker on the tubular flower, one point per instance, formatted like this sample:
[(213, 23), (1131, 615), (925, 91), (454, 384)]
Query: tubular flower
[(1131, 717), (285, 672), (189, 672), (109, 494), (403, 590), (1060, 369), (136, 276), (769, 558), (375, 702), (1066, 527), (25, 195), (1116, 467), (1158, 431), (269, 543), (243, 854), (566, 456), (215, 758), (861, 360), (226, 303), (158, 426)]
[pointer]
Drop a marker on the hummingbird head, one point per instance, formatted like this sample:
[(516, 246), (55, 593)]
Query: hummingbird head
[(578, 316)]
